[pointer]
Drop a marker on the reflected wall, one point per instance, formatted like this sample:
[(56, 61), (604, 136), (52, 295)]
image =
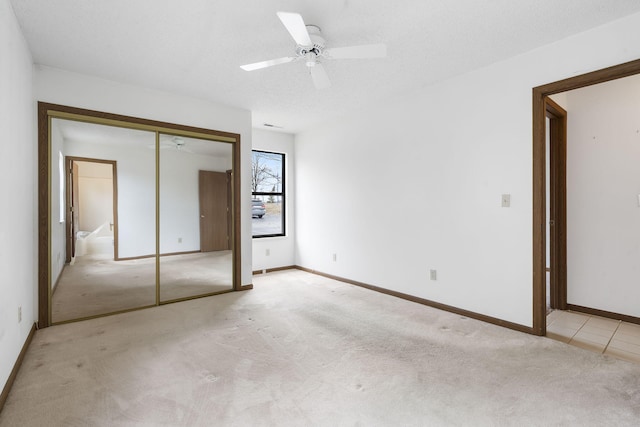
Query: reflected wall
[(195, 217), (108, 246)]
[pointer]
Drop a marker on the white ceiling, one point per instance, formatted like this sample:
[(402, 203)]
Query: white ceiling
[(90, 133), (195, 47)]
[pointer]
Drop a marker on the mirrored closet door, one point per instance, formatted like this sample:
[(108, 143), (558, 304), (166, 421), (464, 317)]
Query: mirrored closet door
[(195, 217), (103, 219), (138, 214)]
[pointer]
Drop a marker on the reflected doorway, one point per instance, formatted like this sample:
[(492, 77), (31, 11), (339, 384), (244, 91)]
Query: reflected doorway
[(91, 208), (108, 223)]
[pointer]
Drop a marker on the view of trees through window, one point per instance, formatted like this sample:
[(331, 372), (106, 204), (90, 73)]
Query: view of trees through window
[(267, 190)]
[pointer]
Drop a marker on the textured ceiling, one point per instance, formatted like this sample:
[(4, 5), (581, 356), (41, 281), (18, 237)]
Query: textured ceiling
[(195, 47)]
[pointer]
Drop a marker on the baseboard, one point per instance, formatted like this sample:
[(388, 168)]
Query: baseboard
[(131, 258), (603, 313), (246, 287), (55, 285), (434, 304), (16, 368), (271, 270), (287, 267)]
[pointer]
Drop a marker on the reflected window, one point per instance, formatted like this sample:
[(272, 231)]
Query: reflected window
[(267, 194)]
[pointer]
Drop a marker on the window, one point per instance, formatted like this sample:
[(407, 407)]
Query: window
[(267, 194)]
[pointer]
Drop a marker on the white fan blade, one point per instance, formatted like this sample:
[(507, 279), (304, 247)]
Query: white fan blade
[(357, 52), (265, 64), (294, 23), (319, 76)]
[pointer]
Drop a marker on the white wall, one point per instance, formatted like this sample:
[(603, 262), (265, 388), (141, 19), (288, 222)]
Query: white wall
[(281, 249), (66, 88), (18, 231), (136, 180), (58, 226), (95, 182), (603, 187), (414, 183), (180, 197)]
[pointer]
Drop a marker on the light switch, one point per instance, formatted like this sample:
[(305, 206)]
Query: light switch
[(639, 200), (506, 200)]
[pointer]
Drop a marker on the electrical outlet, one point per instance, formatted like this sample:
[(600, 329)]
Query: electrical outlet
[(19, 314), (335, 257), (179, 239), (267, 252), (433, 275)]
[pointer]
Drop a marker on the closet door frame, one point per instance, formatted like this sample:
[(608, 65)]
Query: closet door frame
[(47, 112)]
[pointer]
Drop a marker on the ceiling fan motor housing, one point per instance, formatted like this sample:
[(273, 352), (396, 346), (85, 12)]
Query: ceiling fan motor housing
[(311, 53)]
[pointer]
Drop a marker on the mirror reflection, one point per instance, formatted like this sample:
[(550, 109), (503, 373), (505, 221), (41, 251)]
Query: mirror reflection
[(106, 249), (103, 219), (195, 217)]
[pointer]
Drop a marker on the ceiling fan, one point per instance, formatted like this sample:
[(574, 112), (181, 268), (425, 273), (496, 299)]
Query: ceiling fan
[(175, 143), (311, 48)]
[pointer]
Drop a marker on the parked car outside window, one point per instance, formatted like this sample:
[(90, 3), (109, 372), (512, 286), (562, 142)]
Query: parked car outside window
[(257, 208)]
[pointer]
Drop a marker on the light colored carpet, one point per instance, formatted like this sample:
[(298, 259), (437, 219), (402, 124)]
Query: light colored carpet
[(299, 350), (96, 284)]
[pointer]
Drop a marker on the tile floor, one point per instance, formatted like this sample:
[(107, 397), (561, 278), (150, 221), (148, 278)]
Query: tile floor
[(611, 337)]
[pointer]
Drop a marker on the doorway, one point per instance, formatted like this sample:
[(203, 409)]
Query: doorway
[(540, 114), (91, 206)]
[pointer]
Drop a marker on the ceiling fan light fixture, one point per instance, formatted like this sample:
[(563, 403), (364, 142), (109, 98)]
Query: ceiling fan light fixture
[(311, 59), (178, 142)]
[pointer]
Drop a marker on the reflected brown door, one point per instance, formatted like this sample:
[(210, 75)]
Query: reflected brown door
[(75, 207), (213, 188), (72, 208)]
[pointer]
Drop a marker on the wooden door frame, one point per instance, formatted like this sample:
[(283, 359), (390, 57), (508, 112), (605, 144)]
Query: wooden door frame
[(68, 163), (229, 207), (72, 190), (539, 173), (558, 203), (48, 111)]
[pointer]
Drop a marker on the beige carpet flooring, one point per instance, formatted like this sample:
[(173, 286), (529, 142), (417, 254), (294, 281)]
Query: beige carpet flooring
[(302, 350), (96, 284)]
